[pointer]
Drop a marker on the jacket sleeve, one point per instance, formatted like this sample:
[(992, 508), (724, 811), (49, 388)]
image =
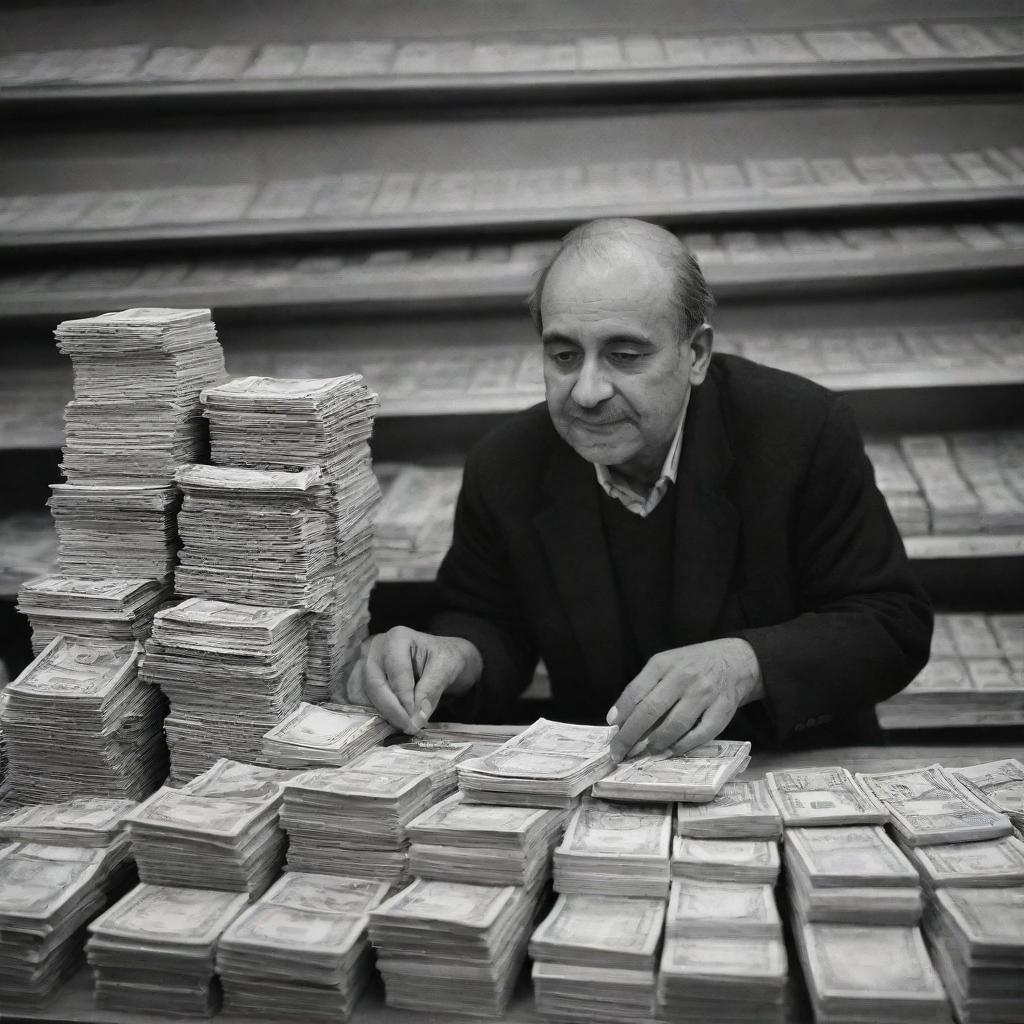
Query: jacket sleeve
[(865, 624), (480, 601)]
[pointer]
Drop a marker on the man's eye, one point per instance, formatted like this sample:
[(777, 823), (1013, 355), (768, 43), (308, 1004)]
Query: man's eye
[(627, 358), (563, 358)]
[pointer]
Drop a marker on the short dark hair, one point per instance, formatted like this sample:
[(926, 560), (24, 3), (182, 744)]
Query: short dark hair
[(692, 296)]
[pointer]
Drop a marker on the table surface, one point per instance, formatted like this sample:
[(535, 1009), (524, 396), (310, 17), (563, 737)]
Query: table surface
[(74, 1004)]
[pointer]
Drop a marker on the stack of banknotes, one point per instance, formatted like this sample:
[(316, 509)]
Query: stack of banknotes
[(615, 849), (742, 810), (153, 950), (595, 958), (452, 947), (275, 424), (84, 822), (977, 942), (47, 894), (823, 796), (220, 831), (108, 609), (694, 777), (79, 722), (724, 956), (1000, 784), (231, 672), (930, 805), (547, 765), (850, 874), (990, 863), (332, 734), (301, 953), (726, 860), (458, 841)]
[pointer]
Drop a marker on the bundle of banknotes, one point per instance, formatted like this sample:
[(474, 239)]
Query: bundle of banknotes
[(138, 374), (722, 910), (742, 810), (231, 672), (47, 894), (823, 796), (84, 822), (288, 426), (615, 849), (989, 863), (853, 874), (930, 805), (595, 958), (548, 764), (694, 777), (79, 722), (977, 942), (458, 841), (107, 609), (451, 946), (333, 734), (301, 952), (153, 950), (725, 860), (1000, 784)]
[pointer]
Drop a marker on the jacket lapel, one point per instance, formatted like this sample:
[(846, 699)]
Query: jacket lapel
[(707, 523), (573, 539)]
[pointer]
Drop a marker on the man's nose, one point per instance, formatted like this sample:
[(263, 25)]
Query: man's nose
[(592, 386)]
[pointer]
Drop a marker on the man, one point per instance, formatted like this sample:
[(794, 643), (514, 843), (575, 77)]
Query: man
[(689, 544)]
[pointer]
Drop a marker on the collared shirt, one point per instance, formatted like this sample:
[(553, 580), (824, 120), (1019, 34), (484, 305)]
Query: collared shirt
[(637, 501)]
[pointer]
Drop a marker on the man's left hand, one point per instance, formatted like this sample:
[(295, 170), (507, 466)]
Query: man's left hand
[(684, 697)]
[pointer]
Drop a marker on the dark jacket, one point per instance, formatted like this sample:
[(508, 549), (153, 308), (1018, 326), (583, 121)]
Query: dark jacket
[(781, 538)]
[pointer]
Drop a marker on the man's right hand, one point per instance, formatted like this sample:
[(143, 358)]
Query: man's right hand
[(405, 673)]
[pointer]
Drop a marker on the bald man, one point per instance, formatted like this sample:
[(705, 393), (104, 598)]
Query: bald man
[(694, 545)]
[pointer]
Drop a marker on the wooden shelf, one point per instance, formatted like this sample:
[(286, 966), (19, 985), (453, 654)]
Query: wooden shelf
[(965, 547), (499, 275)]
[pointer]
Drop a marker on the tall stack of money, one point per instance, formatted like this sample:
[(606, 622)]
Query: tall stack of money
[(333, 734), (594, 957), (79, 722), (452, 947), (352, 820), (547, 765), (153, 951), (301, 952), (231, 671), (292, 426), (977, 940), (457, 841), (614, 849), (47, 895)]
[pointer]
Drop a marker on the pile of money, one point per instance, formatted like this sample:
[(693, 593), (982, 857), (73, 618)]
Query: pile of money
[(276, 424), (115, 530), (725, 860), (547, 765), (231, 672), (741, 979), (823, 796), (457, 841), (138, 375), (256, 537), (871, 973), (1000, 784), (47, 894), (850, 875), (153, 950), (694, 777), (236, 780), (78, 722), (452, 947), (199, 841), (722, 910), (594, 957), (85, 822), (301, 952), (977, 941), (742, 810), (613, 849), (929, 805), (987, 864), (107, 609), (315, 735)]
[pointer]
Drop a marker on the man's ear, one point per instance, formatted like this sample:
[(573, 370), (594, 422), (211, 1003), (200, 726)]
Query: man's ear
[(699, 350)]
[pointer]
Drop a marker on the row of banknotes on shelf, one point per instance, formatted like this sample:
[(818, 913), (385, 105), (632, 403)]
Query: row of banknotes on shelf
[(146, 64), (370, 195)]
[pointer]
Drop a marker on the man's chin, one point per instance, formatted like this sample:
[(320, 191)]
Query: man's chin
[(601, 453)]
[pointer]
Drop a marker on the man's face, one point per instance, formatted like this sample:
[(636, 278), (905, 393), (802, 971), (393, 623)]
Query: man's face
[(617, 371)]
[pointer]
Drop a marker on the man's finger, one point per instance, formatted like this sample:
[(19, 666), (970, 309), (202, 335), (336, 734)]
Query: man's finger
[(355, 685), (644, 716), (380, 696), (678, 722), (432, 683), (715, 719), (398, 666), (644, 681)]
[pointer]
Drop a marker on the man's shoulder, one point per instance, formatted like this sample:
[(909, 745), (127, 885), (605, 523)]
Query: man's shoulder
[(517, 451)]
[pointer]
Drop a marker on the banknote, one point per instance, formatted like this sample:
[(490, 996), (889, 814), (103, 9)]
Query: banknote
[(601, 827), (741, 810), (727, 860), (331, 893), (171, 809), (476, 907), (1001, 783), (68, 668), (823, 796), (991, 863), (595, 923), (849, 856), (278, 927), (722, 909), (745, 957)]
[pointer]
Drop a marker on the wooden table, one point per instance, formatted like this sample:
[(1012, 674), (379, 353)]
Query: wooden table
[(74, 1005)]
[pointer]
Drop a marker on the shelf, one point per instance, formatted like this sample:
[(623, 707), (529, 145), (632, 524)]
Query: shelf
[(499, 275), (520, 66), (960, 547)]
